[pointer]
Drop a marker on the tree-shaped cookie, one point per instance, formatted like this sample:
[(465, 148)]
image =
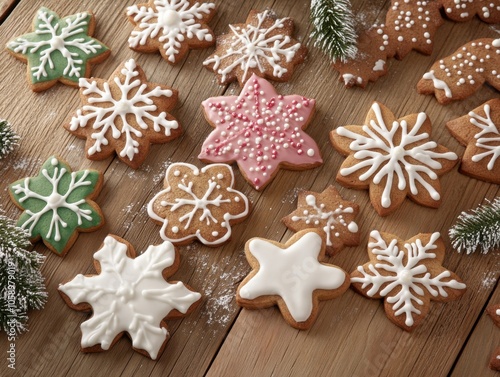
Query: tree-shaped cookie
[(407, 275), (262, 46), (292, 276), (393, 158), (58, 204), (479, 131), (171, 27), (130, 295), (326, 211), (124, 114), (461, 74), (261, 130), (464, 10), (58, 49), (198, 204)]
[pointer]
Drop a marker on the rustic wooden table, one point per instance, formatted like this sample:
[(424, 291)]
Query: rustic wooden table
[(352, 336)]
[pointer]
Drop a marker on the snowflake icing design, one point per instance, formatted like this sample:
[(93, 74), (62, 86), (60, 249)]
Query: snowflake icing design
[(401, 152), (488, 138), (130, 295), (57, 203), (250, 48), (131, 115), (408, 277), (198, 203), (261, 131), (175, 24), (59, 48)]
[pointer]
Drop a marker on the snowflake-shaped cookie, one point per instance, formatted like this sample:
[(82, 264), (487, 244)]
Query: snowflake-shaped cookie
[(198, 204), (58, 204), (326, 211), (59, 49), (260, 130), (124, 114), (263, 46), (408, 275), (130, 295), (392, 158), (170, 26), (292, 276), (464, 10), (479, 131)]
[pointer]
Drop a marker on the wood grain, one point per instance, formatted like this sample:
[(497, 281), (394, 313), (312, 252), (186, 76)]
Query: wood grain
[(352, 336)]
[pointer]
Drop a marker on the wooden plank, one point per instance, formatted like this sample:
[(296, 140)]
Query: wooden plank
[(6, 7)]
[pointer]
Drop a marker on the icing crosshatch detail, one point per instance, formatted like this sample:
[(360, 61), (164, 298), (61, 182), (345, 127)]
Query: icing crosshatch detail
[(130, 294), (171, 26), (198, 204), (59, 49), (124, 114), (58, 204)]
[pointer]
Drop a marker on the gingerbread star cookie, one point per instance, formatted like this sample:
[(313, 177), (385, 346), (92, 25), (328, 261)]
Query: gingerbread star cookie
[(261, 130), (326, 211), (263, 46), (171, 27), (392, 158), (130, 295), (124, 114), (407, 275), (292, 276), (479, 131), (58, 49)]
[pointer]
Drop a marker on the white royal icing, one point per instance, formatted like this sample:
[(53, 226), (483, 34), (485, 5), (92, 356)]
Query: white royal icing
[(378, 151), (134, 99), (438, 84), (129, 295), (293, 273), (487, 138), (407, 275)]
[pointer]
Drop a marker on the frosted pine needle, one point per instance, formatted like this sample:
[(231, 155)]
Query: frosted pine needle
[(333, 29), (8, 138), (479, 229)]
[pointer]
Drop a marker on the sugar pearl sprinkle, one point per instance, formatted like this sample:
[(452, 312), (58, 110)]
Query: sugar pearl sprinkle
[(260, 129)]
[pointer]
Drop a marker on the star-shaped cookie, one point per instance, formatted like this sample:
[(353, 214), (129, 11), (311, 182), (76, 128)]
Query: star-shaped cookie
[(393, 158), (326, 211), (124, 114), (58, 49), (261, 130), (292, 276)]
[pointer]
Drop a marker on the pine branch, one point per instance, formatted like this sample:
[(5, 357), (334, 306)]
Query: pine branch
[(333, 29), (8, 138), (479, 229)]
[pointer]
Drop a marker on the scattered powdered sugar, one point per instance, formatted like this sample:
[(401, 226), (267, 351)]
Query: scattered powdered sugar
[(159, 176), (291, 195), (489, 280)]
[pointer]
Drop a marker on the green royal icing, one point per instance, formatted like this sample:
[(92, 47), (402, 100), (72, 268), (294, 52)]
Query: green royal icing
[(58, 48), (55, 204)]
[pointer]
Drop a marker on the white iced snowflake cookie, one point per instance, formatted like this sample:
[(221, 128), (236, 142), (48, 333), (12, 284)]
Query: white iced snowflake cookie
[(130, 294), (407, 275), (171, 26), (198, 204)]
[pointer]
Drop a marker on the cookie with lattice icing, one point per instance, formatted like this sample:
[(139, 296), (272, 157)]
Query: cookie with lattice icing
[(58, 49), (262, 46), (172, 27)]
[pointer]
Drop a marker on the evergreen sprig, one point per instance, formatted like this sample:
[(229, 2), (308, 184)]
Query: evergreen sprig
[(21, 282), (333, 28), (479, 229), (8, 138)]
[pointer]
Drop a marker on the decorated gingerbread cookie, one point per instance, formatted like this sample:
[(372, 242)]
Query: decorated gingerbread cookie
[(407, 275), (461, 74), (171, 27), (464, 10), (198, 204), (58, 49), (393, 158), (58, 204), (479, 131), (262, 46), (291, 276), (130, 294), (261, 130), (494, 312), (328, 212), (124, 114)]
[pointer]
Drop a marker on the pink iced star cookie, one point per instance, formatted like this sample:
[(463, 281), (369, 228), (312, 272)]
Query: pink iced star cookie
[(261, 130)]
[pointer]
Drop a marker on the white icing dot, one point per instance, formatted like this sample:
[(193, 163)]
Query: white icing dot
[(310, 152), (352, 227), (215, 234), (175, 229), (54, 161)]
